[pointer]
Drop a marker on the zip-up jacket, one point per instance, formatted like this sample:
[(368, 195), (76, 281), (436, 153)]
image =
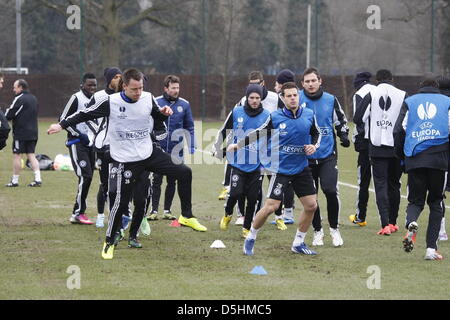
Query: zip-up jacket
[(421, 132), (288, 133), (177, 123), (361, 143), (130, 124), (240, 121), (77, 102), (24, 115), (329, 116), (4, 130)]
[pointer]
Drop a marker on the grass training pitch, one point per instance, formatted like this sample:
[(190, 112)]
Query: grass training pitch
[(39, 246)]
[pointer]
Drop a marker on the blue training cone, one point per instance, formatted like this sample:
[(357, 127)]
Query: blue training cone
[(258, 270)]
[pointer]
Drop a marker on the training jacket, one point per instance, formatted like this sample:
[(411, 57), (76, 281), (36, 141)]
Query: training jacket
[(130, 124), (24, 115), (177, 123), (361, 143), (288, 133), (329, 115), (422, 129)]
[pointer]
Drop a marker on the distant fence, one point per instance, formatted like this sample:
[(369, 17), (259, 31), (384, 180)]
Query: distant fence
[(54, 90)]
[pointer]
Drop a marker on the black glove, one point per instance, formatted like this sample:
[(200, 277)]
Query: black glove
[(84, 139), (345, 142)]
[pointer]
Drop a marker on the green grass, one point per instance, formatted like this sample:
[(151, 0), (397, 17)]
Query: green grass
[(38, 244)]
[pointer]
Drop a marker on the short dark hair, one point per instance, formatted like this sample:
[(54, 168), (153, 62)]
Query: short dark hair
[(309, 71), (255, 75), (288, 85), (170, 79), (87, 76), (429, 82), (132, 73), (384, 75), (23, 84)]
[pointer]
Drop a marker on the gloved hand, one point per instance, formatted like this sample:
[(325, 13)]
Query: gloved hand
[(345, 142), (84, 139)]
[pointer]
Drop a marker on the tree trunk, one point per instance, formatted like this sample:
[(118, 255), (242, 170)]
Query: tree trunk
[(111, 40), (228, 43), (223, 99)]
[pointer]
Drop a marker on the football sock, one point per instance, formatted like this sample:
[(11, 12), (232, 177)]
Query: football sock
[(299, 238), (253, 233), (289, 213), (37, 176)]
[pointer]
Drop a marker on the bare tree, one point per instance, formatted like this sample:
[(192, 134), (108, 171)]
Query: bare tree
[(338, 43), (107, 23), (232, 14)]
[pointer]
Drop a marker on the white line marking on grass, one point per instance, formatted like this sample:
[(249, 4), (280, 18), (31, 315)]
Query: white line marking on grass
[(339, 182), (370, 189)]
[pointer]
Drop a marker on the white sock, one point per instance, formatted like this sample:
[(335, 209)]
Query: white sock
[(37, 176), (101, 215), (166, 211), (15, 178), (253, 233), (299, 238), (289, 213), (442, 226)]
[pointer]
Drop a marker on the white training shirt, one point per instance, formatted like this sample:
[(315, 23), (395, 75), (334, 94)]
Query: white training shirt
[(129, 128), (385, 107)]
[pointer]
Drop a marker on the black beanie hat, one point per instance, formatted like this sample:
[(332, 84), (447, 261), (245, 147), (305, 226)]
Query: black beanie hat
[(361, 78), (444, 85), (110, 73), (254, 88), (285, 75)]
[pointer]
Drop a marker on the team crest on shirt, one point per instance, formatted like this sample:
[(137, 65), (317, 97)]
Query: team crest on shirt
[(240, 119), (277, 190), (128, 174), (82, 163), (122, 114), (235, 177), (180, 109), (283, 130)]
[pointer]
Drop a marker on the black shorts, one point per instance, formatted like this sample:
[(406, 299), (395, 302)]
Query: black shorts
[(24, 146), (303, 184)]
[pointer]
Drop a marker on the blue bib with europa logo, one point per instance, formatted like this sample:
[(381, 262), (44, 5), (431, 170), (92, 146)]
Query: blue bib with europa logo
[(427, 123), (323, 109), (247, 159), (291, 133)]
